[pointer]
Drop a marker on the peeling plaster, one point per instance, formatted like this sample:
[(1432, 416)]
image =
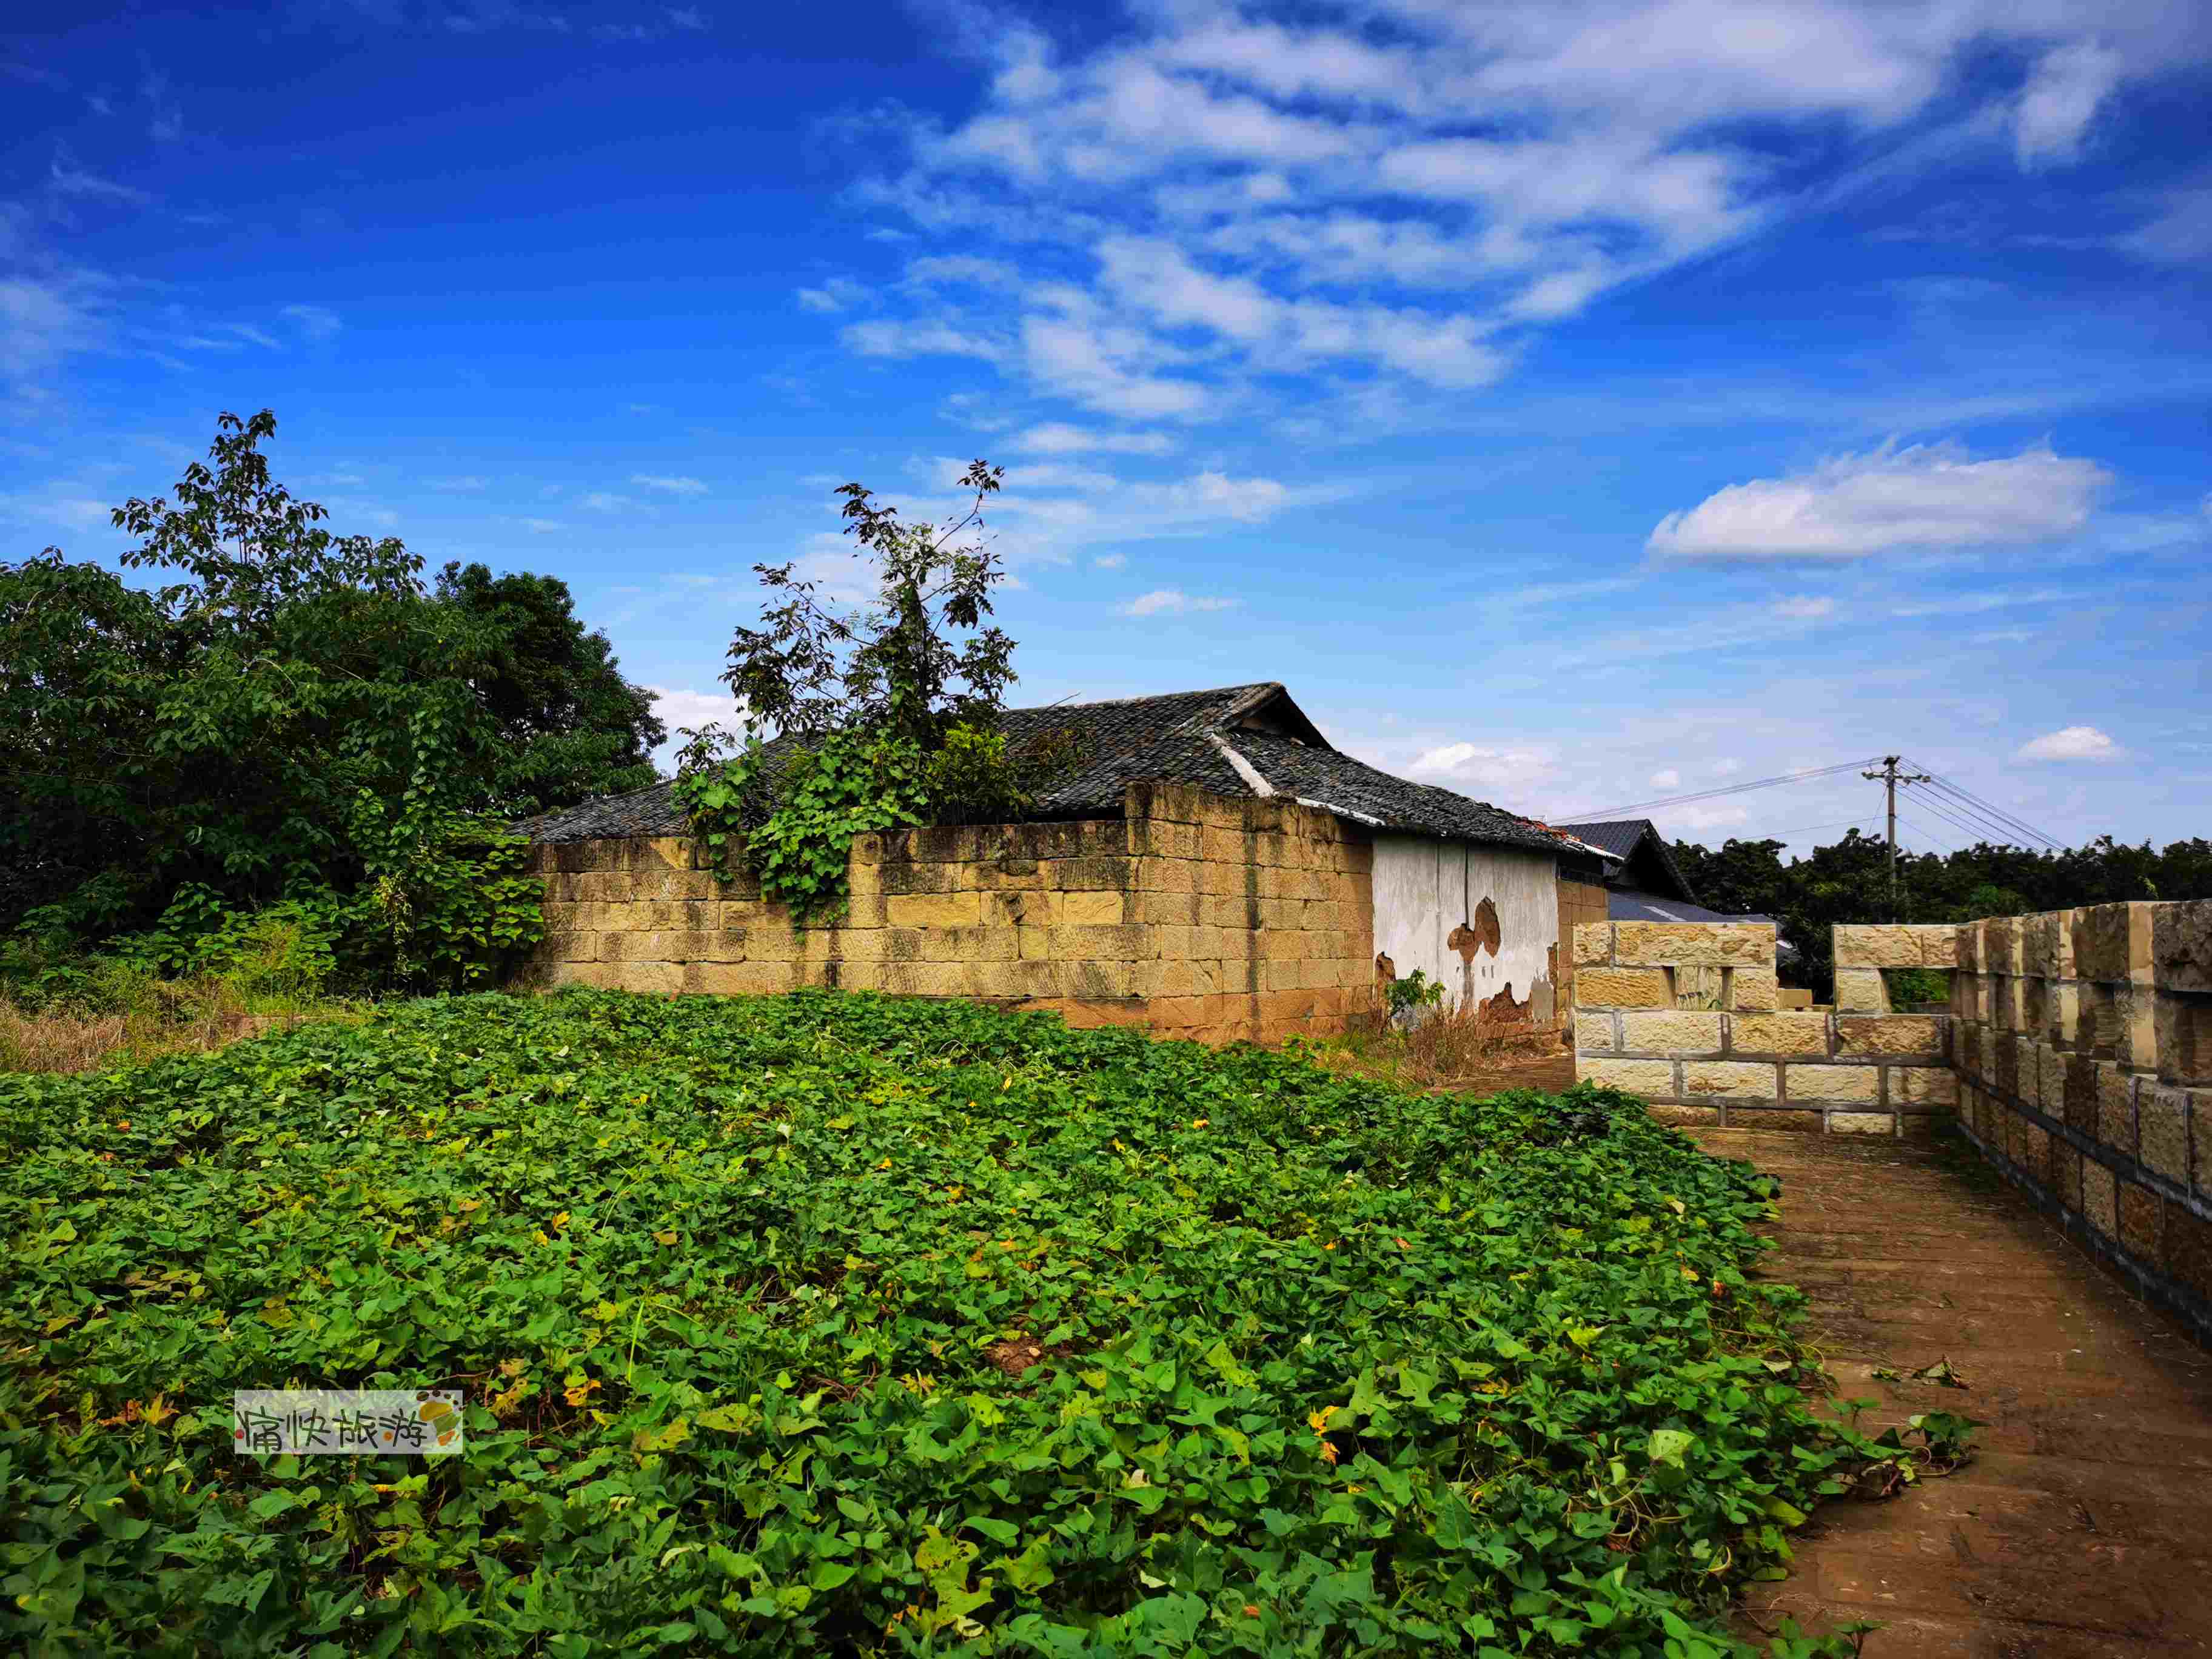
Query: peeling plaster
[(1483, 921)]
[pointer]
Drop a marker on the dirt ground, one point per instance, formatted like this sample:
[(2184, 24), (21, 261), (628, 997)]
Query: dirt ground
[(1550, 1072), (2083, 1526)]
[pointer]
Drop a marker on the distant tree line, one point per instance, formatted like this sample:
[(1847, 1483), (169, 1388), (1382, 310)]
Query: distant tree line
[(1848, 882)]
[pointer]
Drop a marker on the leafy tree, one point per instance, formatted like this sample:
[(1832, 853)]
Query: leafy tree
[(567, 725), (292, 715), (883, 717)]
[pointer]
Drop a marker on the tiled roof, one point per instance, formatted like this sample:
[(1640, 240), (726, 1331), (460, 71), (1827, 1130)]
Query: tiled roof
[(1620, 838), (1185, 737), (1626, 905)]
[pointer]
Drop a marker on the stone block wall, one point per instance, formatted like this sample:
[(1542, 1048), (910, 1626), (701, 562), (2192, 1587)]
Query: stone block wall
[(1688, 1015), (1201, 915), (1581, 903), (2085, 1064)]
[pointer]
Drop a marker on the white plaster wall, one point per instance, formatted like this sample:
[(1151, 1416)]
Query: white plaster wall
[(1427, 889)]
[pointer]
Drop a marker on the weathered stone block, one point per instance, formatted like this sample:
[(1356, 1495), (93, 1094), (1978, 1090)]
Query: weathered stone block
[(963, 910), (2181, 946), (2142, 1223), (744, 979), (1727, 1079), (2189, 1250), (1596, 1033), (1889, 1034), (1673, 944), (1623, 988), (1967, 947), (1791, 1034), (2000, 945), (1860, 990), (1754, 990), (2111, 941), (1861, 1123), (2100, 1198), (2162, 1114), (1593, 942), (568, 947), (1924, 1086), (1801, 1119), (2182, 1026), (1939, 946), (1877, 947), (1686, 1117), (1094, 910), (2116, 1106), (1807, 1081), (2135, 1026), (2078, 1094), (1654, 1080), (1699, 986), (2047, 944)]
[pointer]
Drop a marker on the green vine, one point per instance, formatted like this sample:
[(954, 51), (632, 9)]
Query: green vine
[(855, 783)]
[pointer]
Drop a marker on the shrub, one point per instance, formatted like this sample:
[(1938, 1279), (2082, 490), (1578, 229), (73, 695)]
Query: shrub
[(835, 1323)]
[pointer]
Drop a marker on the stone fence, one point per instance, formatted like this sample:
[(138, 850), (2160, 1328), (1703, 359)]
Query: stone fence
[(1203, 915), (2085, 1058), (2078, 1057), (1688, 1015)]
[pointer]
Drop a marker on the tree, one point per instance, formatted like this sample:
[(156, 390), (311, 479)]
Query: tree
[(295, 716), (567, 725)]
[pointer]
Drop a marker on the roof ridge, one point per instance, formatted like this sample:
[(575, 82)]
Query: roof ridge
[(1152, 696)]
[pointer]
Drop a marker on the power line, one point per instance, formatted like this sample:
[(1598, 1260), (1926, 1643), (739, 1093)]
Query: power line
[(2017, 825), (1710, 794), (2003, 827), (1934, 838), (1973, 828), (1834, 823)]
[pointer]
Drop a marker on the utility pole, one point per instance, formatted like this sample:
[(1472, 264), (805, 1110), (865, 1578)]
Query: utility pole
[(1890, 777)]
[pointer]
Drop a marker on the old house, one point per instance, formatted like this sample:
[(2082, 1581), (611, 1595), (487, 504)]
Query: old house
[(1212, 867)]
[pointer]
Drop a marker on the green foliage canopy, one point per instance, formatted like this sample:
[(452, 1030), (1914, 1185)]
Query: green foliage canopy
[(834, 1323), (293, 713)]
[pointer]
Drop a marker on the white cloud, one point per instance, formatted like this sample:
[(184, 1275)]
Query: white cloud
[(837, 293), (2180, 234), (1109, 562), (604, 501), (2071, 743), (679, 710), (674, 486), (316, 322), (1058, 438), (55, 506), (1666, 778), (1852, 507), (542, 527), (1804, 608), (2062, 98), (1170, 601), (920, 338), (1513, 770), (69, 178), (466, 481)]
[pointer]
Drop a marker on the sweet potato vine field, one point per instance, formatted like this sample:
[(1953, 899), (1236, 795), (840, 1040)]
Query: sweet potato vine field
[(838, 1324)]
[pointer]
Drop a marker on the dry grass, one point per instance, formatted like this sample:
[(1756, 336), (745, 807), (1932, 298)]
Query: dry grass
[(1439, 1053), (192, 1016)]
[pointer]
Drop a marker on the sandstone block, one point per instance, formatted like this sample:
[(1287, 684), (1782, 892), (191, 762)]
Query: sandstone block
[(1796, 997), (1790, 1034), (1623, 988), (1093, 909), (2162, 1114), (568, 947), (2182, 1033), (1699, 986), (2189, 1250), (591, 975), (1889, 1034), (1924, 1086), (1596, 1033), (1860, 990), (2113, 941), (1861, 1123), (1686, 1117), (735, 978), (1753, 990), (2142, 1223), (1967, 948), (2050, 1091), (1673, 944), (1671, 1033), (2181, 946), (2116, 1106), (934, 910), (1800, 1120), (2000, 945), (1877, 947), (2047, 944), (1654, 1080), (1939, 946), (1803, 1081), (2079, 1103), (2100, 1198), (1593, 942), (657, 978), (1727, 1079)]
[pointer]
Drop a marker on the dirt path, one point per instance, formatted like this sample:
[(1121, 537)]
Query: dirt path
[(2084, 1526)]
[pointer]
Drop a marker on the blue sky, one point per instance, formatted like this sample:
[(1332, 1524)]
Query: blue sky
[(1576, 401)]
